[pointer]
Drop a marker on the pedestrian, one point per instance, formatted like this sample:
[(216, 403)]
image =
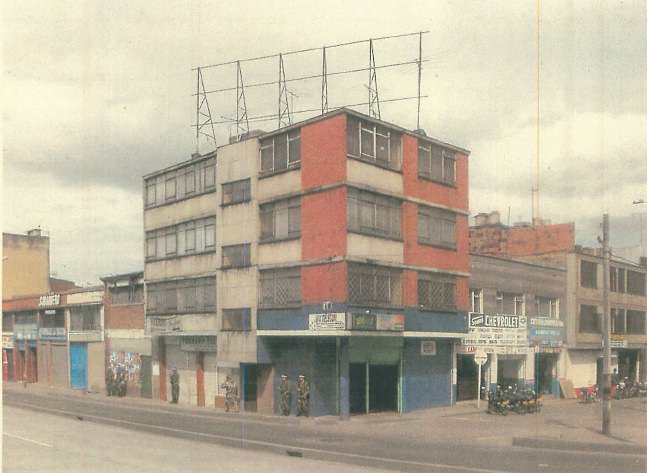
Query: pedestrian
[(110, 381), (175, 386), (286, 395), (614, 377), (121, 382), (303, 396), (231, 394)]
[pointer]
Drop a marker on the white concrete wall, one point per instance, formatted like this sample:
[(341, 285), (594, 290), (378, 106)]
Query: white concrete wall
[(373, 176), (288, 251), (581, 367), (184, 266), (279, 185), (362, 246)]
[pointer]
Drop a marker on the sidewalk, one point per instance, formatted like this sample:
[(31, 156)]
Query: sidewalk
[(563, 424)]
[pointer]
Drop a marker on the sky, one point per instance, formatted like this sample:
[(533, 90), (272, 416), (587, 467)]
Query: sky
[(98, 94)]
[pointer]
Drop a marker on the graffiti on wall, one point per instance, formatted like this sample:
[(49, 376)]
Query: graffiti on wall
[(131, 363)]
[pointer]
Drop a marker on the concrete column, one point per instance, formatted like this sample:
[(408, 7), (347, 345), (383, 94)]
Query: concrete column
[(344, 378)]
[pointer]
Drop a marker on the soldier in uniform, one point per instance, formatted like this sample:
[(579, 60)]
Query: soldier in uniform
[(231, 394), (110, 381), (286, 395), (303, 396), (175, 386)]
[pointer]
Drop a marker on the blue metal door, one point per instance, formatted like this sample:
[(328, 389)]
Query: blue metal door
[(79, 365)]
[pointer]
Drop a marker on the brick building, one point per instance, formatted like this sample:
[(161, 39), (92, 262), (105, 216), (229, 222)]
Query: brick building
[(128, 347), (334, 248)]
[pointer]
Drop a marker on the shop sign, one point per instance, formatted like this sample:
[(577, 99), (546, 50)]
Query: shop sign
[(49, 300), (546, 335), (499, 350), (334, 321), (502, 331), (198, 343), (52, 333), (163, 324), (380, 322), (25, 331), (363, 322), (390, 322), (428, 348), (618, 341), (7, 342)]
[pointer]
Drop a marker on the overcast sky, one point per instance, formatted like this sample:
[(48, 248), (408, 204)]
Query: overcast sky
[(98, 94)]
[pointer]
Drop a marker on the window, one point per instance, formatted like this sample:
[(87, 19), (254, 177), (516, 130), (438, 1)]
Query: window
[(236, 256), (373, 143), (374, 285), (374, 214), (636, 283), (196, 236), (280, 287), (236, 192), (617, 279), (589, 320), (281, 152), (589, 274), (150, 192), (53, 320), (476, 298), (618, 322), (190, 180), (209, 176), (436, 227), (636, 322), (436, 163), (181, 296), (171, 188), (547, 307), (85, 318), (509, 303), (281, 220), (237, 319), (436, 293), (130, 294), (7, 322)]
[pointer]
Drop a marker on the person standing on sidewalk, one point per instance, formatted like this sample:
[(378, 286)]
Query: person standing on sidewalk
[(231, 394), (286, 395), (303, 396), (110, 381), (175, 386)]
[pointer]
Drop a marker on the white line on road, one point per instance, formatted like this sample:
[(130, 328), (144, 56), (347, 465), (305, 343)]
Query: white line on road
[(278, 445), (29, 440)]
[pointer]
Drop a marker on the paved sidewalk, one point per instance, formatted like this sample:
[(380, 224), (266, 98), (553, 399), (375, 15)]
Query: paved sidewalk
[(561, 424)]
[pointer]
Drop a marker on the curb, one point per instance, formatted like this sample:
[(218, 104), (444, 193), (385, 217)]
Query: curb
[(560, 444)]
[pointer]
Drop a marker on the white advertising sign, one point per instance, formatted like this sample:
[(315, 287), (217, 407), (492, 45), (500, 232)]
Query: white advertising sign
[(334, 321)]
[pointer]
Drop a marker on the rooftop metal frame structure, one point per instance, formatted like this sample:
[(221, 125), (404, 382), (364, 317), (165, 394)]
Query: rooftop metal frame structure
[(205, 125)]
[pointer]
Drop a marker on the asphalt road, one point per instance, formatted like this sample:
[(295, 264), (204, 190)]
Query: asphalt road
[(394, 449)]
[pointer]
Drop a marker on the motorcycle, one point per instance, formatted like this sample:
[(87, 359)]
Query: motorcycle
[(589, 395)]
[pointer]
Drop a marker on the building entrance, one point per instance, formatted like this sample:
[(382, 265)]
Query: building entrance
[(467, 378), (373, 388)]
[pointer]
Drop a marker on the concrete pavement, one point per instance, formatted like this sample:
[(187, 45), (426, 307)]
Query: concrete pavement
[(562, 424)]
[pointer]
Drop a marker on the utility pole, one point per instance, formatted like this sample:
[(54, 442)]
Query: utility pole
[(606, 335)]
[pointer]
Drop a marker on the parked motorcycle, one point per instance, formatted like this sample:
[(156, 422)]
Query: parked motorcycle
[(589, 395)]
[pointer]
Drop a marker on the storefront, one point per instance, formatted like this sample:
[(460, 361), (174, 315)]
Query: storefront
[(360, 362)]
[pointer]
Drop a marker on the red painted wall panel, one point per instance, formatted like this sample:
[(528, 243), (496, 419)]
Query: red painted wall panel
[(326, 282), (323, 152), (409, 288), (323, 224), (425, 189)]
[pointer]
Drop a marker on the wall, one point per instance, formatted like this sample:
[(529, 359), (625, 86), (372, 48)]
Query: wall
[(25, 265), (96, 367), (522, 241)]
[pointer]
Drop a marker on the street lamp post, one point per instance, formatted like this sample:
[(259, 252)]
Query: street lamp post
[(642, 241)]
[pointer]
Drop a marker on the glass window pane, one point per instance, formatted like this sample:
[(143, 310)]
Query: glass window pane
[(367, 143), (280, 152), (267, 158)]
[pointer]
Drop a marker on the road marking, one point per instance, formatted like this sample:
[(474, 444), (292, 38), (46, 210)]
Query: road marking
[(29, 440), (275, 445), (543, 465), (491, 437)]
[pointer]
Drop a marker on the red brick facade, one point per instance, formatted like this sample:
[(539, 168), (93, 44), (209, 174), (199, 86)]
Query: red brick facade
[(500, 240)]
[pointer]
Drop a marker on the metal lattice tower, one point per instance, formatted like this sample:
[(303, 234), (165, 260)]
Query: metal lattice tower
[(284, 107), (242, 123), (324, 85), (203, 122), (373, 97)]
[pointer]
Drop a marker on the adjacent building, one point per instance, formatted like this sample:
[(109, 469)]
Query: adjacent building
[(127, 346), (335, 248), (517, 320)]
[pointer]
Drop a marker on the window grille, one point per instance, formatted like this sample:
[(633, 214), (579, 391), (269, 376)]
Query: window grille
[(374, 285), (280, 287), (436, 293)]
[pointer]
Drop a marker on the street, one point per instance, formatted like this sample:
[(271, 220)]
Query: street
[(156, 432)]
